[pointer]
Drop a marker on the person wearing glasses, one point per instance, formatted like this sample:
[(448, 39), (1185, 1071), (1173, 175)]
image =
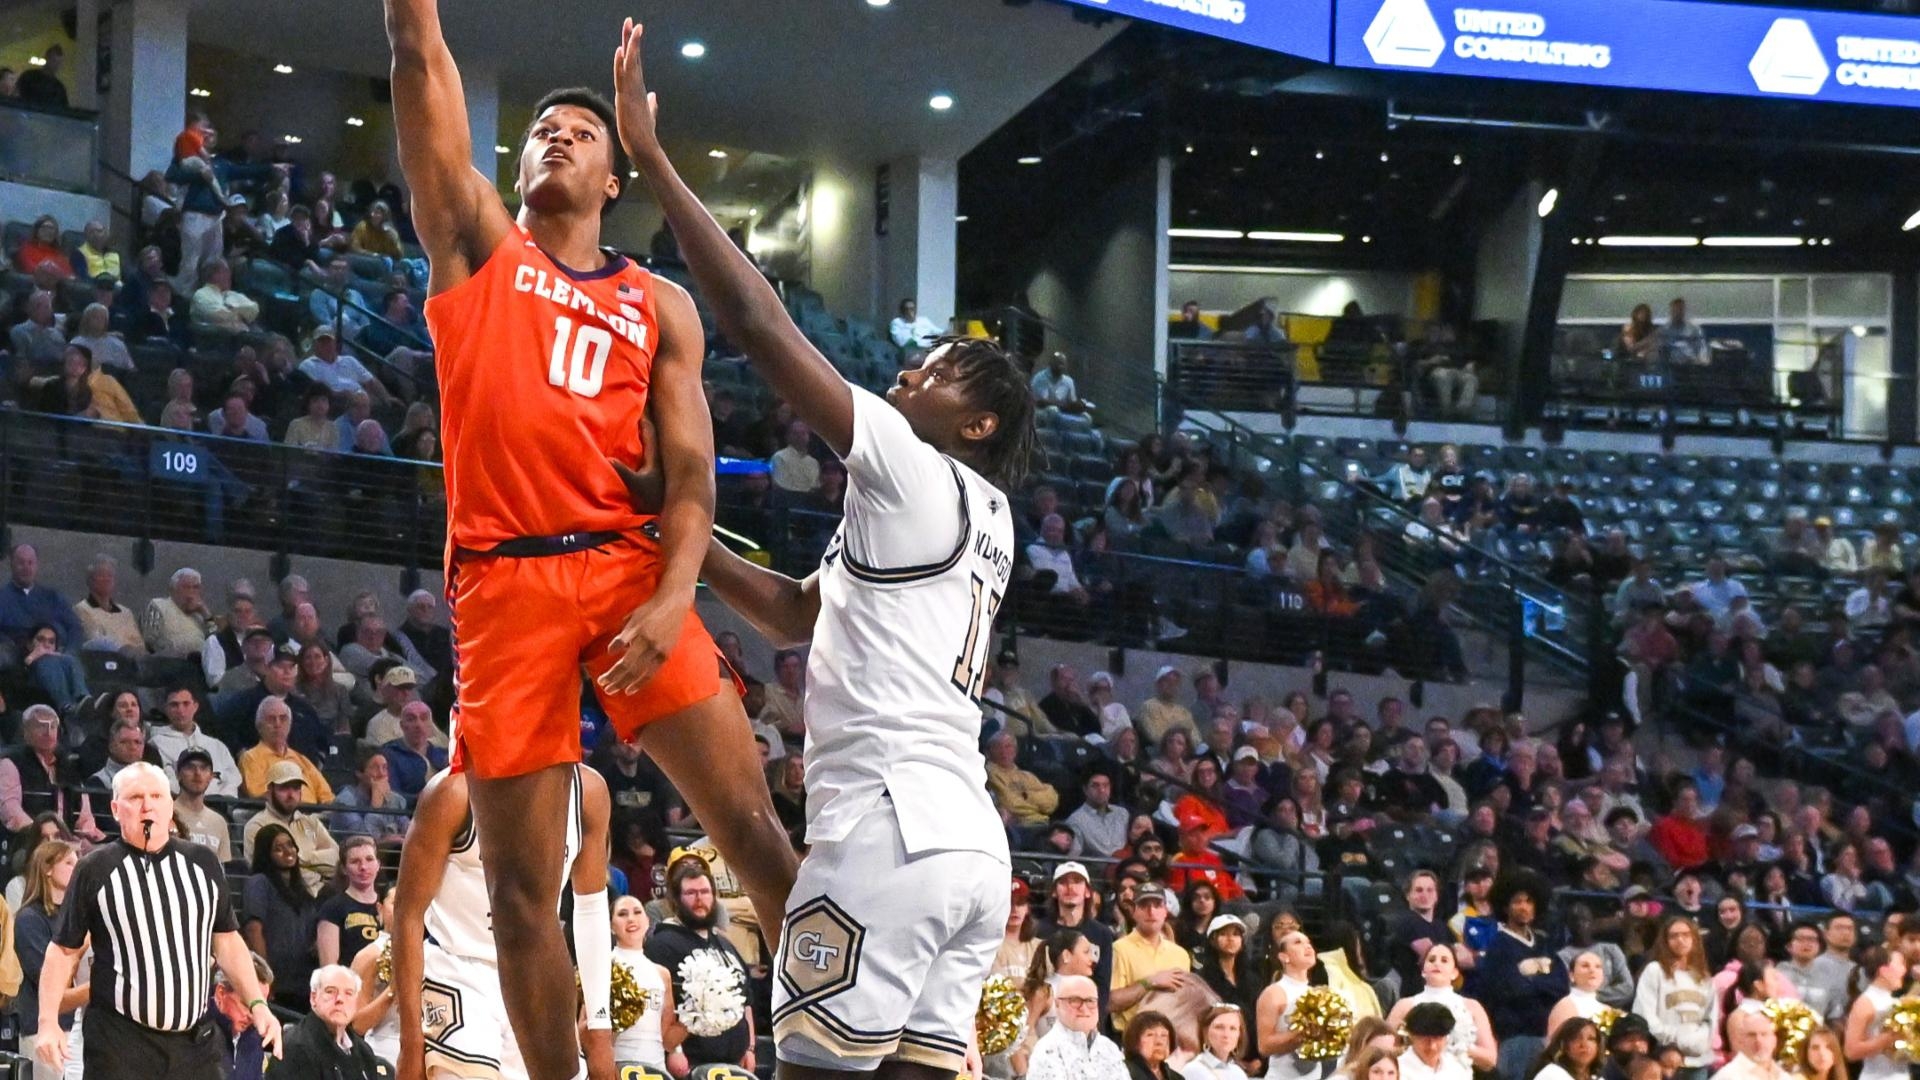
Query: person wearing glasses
[(1075, 1049)]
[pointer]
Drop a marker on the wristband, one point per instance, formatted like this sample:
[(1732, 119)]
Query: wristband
[(255, 1003)]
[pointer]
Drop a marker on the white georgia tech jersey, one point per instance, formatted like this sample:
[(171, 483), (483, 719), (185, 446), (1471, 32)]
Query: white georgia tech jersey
[(908, 589), (460, 917)]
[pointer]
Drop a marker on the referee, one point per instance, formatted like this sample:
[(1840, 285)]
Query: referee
[(157, 912)]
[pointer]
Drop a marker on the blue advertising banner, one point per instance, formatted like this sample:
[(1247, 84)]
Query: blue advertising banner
[(1294, 27), (1642, 44)]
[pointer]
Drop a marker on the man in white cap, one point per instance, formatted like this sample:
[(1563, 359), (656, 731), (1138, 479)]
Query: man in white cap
[(1074, 1049), (398, 687), (1070, 909), (1163, 712)]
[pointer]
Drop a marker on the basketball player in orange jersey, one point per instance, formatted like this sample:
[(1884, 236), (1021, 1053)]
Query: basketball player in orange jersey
[(549, 350)]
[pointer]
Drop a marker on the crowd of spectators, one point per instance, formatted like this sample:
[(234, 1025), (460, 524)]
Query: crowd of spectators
[(198, 304)]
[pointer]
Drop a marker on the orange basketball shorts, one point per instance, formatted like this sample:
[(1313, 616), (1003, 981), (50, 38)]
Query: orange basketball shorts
[(525, 629)]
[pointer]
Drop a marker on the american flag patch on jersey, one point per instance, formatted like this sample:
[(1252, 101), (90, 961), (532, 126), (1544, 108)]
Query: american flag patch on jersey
[(630, 298)]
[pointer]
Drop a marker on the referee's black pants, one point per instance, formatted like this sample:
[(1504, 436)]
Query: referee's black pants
[(116, 1048)]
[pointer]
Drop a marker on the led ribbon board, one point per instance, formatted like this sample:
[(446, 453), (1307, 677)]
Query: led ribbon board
[(1295, 27), (1642, 44)]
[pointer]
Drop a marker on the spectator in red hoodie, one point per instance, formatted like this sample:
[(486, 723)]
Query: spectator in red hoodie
[(1195, 861), (1680, 837)]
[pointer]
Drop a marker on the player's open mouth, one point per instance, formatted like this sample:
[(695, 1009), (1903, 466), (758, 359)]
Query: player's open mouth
[(555, 155)]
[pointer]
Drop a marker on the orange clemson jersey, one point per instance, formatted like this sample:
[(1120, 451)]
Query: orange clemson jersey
[(544, 373)]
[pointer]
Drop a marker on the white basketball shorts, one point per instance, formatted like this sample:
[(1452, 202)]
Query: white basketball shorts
[(883, 954)]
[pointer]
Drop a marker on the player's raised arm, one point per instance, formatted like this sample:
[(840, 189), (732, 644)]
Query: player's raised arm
[(744, 305), (456, 211)]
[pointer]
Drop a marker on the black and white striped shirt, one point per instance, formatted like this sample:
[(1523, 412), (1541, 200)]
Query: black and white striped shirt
[(152, 918)]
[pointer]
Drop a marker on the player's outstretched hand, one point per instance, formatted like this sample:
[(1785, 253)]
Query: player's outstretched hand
[(635, 108), (646, 485)]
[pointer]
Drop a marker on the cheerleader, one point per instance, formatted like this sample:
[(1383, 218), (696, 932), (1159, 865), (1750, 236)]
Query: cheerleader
[(376, 1020), (1472, 1038), (654, 1039), (1586, 976), (1868, 1040)]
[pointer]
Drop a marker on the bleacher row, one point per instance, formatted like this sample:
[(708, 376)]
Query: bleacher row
[(1677, 508)]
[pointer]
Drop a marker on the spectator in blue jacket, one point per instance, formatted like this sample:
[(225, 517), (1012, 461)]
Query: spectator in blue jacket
[(412, 758), (26, 604), (1521, 976)]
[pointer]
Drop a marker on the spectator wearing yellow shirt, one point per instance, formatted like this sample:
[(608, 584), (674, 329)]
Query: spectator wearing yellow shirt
[(1162, 713), (274, 721), (97, 254), (1025, 799), (1147, 960)]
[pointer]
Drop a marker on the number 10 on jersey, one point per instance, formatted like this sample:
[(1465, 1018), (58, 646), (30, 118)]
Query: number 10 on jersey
[(970, 667), (579, 360)]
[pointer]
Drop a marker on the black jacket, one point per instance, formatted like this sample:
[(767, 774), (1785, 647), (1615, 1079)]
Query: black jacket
[(312, 1054), (668, 945)]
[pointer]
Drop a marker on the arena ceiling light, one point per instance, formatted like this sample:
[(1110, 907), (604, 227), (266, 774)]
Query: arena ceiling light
[(940, 102), (283, 69), (1754, 241), (1650, 241), (36, 61), (200, 92), (1549, 201), (1206, 234), (1298, 237), (693, 50), (503, 150), (878, 3), (1912, 222), (717, 154), (1030, 159), (354, 121)]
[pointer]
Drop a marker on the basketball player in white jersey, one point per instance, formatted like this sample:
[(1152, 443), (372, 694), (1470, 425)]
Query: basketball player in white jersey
[(902, 899), (453, 1019)]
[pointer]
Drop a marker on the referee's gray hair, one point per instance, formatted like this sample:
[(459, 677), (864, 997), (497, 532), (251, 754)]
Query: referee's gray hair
[(322, 974), (183, 575), (134, 772), (101, 562)]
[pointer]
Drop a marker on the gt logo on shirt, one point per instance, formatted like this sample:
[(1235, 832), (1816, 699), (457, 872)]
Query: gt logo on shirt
[(809, 948)]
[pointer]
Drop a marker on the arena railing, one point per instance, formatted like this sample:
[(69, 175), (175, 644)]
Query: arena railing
[(49, 148), (1209, 606), (1538, 621), (1692, 711), (161, 484)]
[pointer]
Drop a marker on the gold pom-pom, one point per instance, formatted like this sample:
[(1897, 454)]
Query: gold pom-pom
[(383, 968), (1003, 1012), (626, 1001), (1904, 1022), (1324, 1020), (1605, 1019), (1794, 1022)]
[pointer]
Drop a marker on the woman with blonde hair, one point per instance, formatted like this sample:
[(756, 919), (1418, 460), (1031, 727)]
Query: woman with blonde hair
[(1373, 1064), (49, 872), (1371, 1033), (108, 350), (1221, 1035)]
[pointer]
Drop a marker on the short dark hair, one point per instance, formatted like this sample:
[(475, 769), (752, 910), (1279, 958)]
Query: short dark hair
[(582, 98), (684, 869), (995, 382)]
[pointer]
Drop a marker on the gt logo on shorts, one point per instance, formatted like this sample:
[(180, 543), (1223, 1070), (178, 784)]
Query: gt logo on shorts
[(822, 955), (809, 947), (439, 1010)]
